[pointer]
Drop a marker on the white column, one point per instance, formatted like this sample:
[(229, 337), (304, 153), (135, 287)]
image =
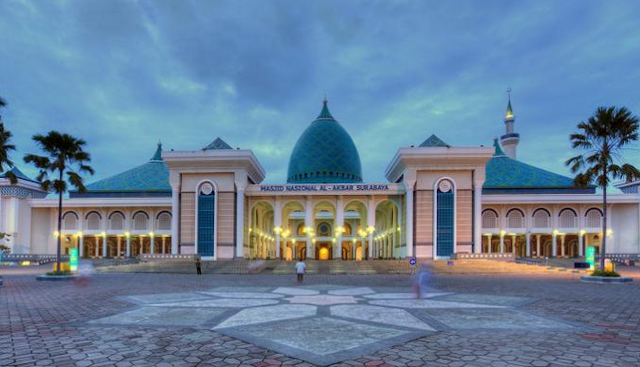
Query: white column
[(528, 239), (175, 219), (118, 248), (241, 182), (104, 246), (97, 247), (538, 245), (81, 246), (554, 244), (477, 217), (152, 244), (513, 244), (562, 250), (580, 243), (128, 246), (409, 185), (309, 222), (501, 243), (371, 221), (489, 237), (277, 221), (164, 242), (339, 224)]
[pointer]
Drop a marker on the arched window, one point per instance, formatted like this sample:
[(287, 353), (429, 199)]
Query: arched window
[(116, 221), (515, 219), (140, 221), (70, 220), (300, 229), (93, 221), (568, 218), (164, 221), (324, 229), (490, 219), (206, 219), (593, 218), (541, 219), (445, 221), (347, 229)]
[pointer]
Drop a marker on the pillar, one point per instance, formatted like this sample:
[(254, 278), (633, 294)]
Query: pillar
[(489, 247), (562, 249), (152, 244), (81, 246), (513, 244), (241, 182), (339, 224), (477, 218), (175, 219), (164, 241), (128, 246), (554, 244), (97, 254), (501, 243), (538, 245), (409, 184), (309, 224), (528, 239), (104, 245), (580, 243), (119, 239), (277, 221)]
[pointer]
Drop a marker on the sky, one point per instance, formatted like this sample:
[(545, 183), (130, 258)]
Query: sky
[(125, 74)]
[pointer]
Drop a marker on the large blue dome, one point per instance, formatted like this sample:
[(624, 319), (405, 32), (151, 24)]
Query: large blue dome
[(325, 153)]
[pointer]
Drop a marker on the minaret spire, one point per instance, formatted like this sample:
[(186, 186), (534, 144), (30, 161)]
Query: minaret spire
[(324, 113), (510, 139)]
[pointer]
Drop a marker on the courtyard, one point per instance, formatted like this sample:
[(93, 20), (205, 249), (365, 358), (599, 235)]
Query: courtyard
[(342, 320)]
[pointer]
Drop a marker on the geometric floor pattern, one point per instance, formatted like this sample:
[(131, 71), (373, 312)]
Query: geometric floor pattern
[(325, 324)]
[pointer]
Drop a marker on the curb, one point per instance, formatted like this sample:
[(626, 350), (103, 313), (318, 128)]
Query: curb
[(55, 278), (605, 280)]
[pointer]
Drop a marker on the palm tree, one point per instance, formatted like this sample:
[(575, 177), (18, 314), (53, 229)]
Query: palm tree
[(602, 138), (5, 148), (64, 158)]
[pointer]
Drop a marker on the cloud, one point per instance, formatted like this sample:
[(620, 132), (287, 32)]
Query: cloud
[(123, 74)]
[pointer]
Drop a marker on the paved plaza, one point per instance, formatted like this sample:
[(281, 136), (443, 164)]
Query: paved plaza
[(269, 320)]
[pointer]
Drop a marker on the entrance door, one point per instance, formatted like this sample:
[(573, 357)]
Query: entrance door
[(206, 220), (323, 251), (445, 223)]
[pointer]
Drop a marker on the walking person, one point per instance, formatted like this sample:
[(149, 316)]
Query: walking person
[(198, 266), (421, 281), (300, 269)]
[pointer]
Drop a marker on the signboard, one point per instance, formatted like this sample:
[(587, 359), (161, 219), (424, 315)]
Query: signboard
[(73, 259), (321, 188), (412, 261), (590, 256)]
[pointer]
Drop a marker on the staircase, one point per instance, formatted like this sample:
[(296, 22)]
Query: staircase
[(484, 266)]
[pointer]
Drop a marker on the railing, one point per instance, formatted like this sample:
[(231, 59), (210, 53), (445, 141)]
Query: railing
[(40, 259), (497, 255), (155, 257)]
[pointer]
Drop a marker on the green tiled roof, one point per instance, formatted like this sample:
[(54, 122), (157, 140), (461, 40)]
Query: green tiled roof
[(434, 141), (18, 174), (324, 153), (506, 173), (151, 177)]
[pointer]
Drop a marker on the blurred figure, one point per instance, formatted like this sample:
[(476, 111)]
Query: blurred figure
[(421, 281), (83, 274), (300, 269), (198, 269)]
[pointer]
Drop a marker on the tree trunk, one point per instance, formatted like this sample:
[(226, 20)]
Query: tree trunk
[(603, 249), (59, 227)]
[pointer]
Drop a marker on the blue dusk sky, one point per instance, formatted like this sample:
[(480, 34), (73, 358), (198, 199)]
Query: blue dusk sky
[(125, 74)]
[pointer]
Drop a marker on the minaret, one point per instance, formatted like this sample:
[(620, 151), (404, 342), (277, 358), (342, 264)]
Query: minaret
[(510, 139)]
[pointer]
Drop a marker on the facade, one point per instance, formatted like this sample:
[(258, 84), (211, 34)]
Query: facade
[(438, 200)]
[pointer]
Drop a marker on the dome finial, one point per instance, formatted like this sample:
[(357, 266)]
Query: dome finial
[(325, 114), (157, 156), (509, 114)]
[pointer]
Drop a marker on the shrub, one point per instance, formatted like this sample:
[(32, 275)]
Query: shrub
[(59, 273), (600, 273)]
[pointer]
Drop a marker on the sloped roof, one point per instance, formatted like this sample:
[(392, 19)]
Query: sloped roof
[(217, 144), (504, 173), (18, 174), (434, 141), (151, 177)]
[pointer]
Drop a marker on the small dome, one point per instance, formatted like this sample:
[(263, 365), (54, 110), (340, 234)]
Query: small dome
[(324, 153)]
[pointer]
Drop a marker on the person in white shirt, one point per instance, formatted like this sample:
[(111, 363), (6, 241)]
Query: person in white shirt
[(300, 268)]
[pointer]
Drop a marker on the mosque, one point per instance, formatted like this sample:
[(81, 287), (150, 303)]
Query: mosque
[(438, 201)]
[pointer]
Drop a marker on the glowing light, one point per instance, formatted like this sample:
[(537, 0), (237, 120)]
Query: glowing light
[(555, 232), (127, 234), (609, 232), (582, 232), (56, 234), (277, 229), (502, 233), (80, 234), (151, 234), (370, 229), (103, 234)]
